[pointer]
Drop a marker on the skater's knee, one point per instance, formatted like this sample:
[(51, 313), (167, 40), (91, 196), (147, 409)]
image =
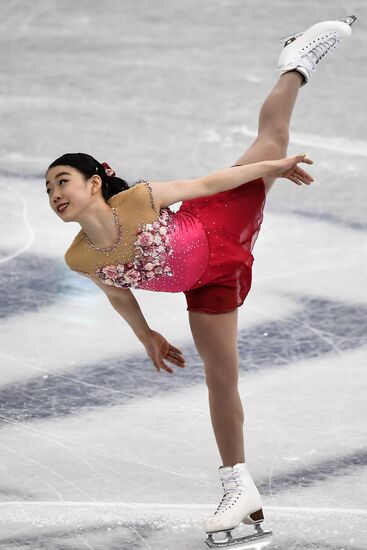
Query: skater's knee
[(277, 140), (221, 378)]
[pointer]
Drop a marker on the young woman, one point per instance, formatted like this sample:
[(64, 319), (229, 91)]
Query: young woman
[(129, 238)]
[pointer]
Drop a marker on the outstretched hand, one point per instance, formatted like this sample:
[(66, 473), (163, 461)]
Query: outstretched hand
[(158, 349), (288, 168)]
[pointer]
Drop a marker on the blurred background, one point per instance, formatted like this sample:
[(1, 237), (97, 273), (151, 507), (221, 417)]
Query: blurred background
[(96, 450)]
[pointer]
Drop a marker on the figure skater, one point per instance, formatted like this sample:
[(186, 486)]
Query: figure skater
[(130, 238)]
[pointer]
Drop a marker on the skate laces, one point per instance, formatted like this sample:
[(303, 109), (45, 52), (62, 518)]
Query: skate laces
[(231, 486), (317, 52)]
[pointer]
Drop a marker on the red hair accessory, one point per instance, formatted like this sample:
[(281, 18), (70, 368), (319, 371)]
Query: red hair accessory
[(109, 171)]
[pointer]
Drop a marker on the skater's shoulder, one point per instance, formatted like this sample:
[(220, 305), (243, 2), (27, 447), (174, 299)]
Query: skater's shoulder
[(138, 199), (122, 196), (73, 249), (137, 192)]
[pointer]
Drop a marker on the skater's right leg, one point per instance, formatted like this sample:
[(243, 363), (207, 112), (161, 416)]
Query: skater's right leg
[(276, 111), (275, 115), (298, 60)]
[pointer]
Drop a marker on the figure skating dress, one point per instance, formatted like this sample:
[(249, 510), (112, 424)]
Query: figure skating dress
[(203, 250)]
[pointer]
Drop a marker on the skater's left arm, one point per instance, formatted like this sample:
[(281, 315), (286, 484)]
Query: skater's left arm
[(233, 177), (170, 192)]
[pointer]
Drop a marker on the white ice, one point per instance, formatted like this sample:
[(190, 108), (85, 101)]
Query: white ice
[(97, 450)]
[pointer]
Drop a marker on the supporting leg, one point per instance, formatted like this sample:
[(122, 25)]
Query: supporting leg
[(215, 337), (227, 419)]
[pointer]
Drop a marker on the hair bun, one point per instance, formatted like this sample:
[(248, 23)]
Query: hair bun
[(109, 171)]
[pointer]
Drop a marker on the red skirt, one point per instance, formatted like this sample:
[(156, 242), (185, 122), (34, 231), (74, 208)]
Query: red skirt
[(232, 220)]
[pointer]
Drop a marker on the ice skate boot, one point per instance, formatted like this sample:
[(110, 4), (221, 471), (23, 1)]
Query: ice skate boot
[(302, 51), (241, 502)]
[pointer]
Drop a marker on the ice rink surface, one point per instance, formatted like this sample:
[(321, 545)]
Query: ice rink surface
[(97, 450)]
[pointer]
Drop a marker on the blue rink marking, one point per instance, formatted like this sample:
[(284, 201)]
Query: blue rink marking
[(319, 471), (319, 327), (325, 217), (29, 282), (139, 534), (129, 539)]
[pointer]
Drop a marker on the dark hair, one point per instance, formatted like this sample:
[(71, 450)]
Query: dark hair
[(88, 165)]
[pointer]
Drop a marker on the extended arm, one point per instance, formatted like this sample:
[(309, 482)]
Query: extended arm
[(170, 192), (229, 178), (156, 346), (127, 306), (125, 303)]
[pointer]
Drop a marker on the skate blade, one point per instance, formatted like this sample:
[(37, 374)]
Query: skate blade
[(349, 19), (231, 542), (289, 38)]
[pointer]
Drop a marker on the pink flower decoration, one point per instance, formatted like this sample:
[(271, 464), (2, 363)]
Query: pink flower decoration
[(110, 271), (145, 239), (132, 275), (150, 250)]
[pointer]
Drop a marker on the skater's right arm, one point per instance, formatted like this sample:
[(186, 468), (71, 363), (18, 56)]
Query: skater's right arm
[(156, 345), (125, 303)]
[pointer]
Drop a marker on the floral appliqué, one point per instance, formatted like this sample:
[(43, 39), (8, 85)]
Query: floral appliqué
[(151, 248)]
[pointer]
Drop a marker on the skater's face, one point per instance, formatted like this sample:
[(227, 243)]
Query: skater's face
[(65, 184)]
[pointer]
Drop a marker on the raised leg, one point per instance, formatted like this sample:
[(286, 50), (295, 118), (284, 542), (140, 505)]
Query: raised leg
[(274, 121), (215, 338)]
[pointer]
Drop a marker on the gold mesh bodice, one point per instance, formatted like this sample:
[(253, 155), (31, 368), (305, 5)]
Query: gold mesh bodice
[(134, 208)]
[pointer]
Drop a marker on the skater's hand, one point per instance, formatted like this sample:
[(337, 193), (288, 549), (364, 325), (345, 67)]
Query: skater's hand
[(158, 349), (288, 168)]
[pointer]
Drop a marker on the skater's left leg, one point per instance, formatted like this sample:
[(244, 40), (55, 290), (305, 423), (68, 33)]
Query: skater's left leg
[(274, 120), (215, 338)]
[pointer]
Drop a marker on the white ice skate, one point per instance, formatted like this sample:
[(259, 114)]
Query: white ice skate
[(241, 503), (303, 50)]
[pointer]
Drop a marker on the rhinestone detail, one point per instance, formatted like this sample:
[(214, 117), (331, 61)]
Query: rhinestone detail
[(117, 241), (152, 247), (150, 194)]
